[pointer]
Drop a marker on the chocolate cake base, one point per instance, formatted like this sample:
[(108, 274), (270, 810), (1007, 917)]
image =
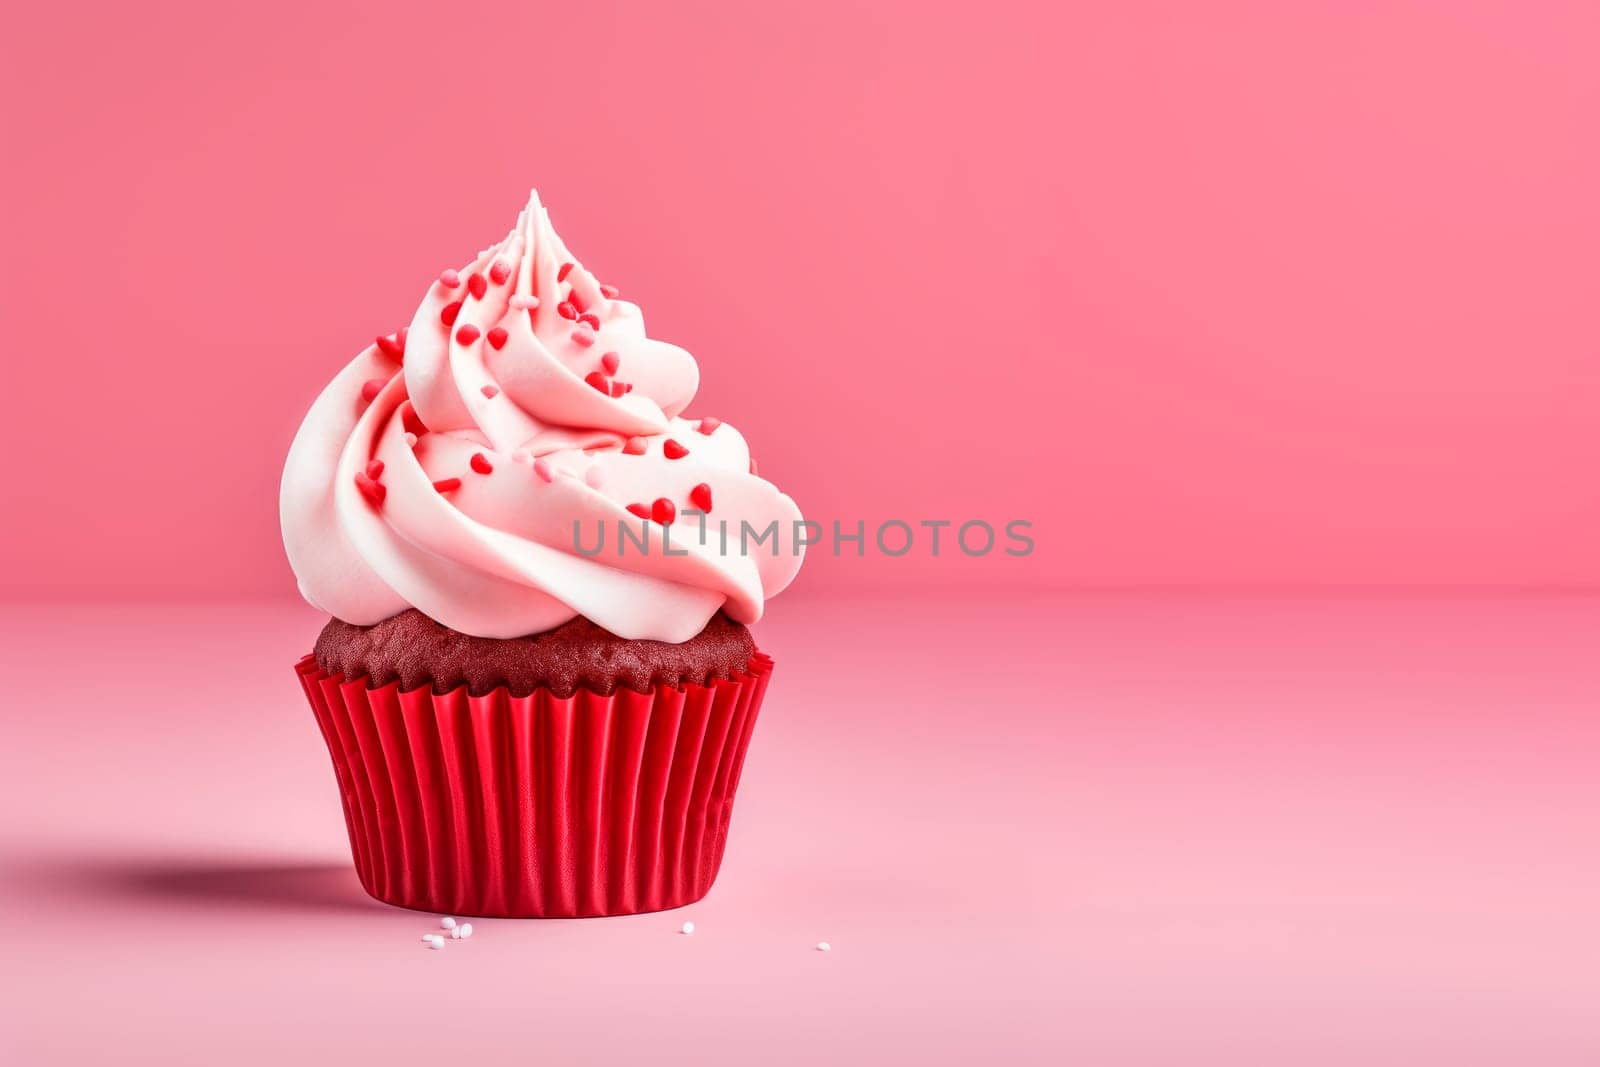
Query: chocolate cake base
[(416, 651)]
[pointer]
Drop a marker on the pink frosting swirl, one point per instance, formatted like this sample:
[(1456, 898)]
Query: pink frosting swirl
[(446, 467)]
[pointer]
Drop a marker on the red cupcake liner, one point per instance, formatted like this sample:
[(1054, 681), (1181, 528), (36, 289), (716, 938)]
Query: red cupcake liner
[(538, 806)]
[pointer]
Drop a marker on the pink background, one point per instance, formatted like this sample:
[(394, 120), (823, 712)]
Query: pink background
[(1241, 292), (1234, 295)]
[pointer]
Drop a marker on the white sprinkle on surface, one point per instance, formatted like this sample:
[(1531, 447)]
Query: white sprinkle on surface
[(465, 929), (433, 940), (686, 928), (447, 923), (823, 946)]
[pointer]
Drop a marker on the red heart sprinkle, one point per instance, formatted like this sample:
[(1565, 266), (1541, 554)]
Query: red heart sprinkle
[(448, 315), (467, 334), (598, 381), (610, 362), (371, 388), (673, 450), (635, 446), (412, 421), (619, 389), (639, 510), (708, 424), (444, 485), (566, 269), (481, 464), (610, 292), (566, 310), (583, 337), (491, 391), (591, 318), (374, 491), (663, 511), (449, 278), (477, 285), (499, 272), (375, 469), (497, 338), (700, 497), (391, 347)]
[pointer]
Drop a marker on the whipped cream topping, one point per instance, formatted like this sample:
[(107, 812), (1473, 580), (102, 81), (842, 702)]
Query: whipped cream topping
[(447, 466)]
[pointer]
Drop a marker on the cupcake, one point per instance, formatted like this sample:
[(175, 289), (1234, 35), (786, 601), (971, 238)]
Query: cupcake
[(537, 684)]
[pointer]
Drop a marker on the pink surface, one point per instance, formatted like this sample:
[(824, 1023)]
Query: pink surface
[(1311, 284), (1100, 829)]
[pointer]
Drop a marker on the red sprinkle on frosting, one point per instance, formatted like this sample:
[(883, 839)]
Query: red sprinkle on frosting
[(639, 510), (610, 362), (412, 421), (541, 467), (619, 389), (491, 391), (497, 338), (392, 346), (449, 313), (481, 464), (753, 465), (634, 446), (610, 292), (375, 469), (598, 381), (371, 388), (444, 485), (372, 489), (663, 510), (566, 310), (499, 272), (700, 497), (583, 336), (467, 334), (591, 318), (477, 285), (450, 278), (708, 424), (566, 269), (673, 450)]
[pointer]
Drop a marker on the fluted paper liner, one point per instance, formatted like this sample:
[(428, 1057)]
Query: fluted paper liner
[(537, 806)]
